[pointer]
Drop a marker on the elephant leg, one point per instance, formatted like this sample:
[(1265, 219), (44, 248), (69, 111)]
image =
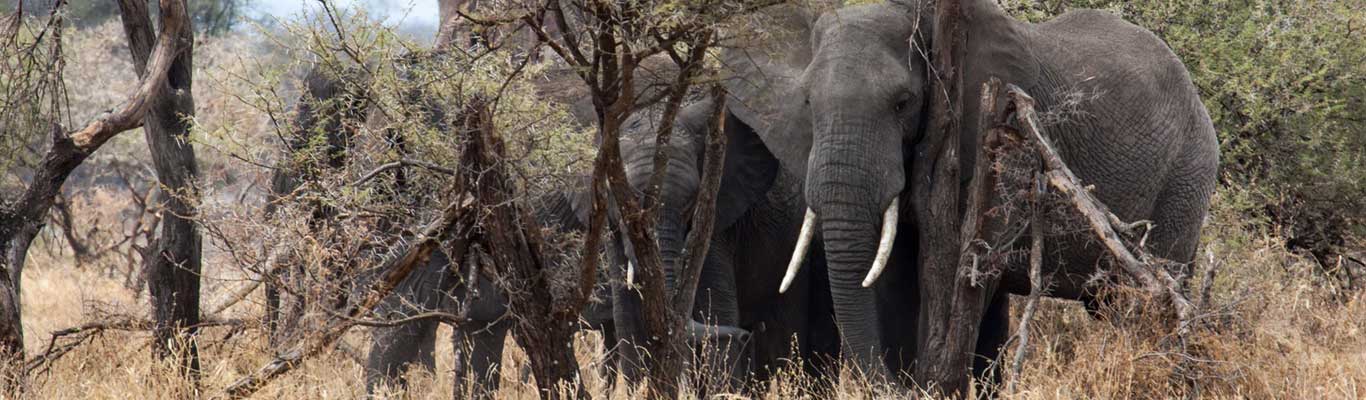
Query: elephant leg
[(478, 359), (608, 369), (992, 334), (478, 342), (395, 349), (598, 316), (628, 324), (717, 305)]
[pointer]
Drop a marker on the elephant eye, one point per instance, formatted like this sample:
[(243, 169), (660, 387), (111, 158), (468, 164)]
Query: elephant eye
[(903, 102)]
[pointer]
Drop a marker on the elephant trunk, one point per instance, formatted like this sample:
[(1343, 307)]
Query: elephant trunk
[(671, 241), (852, 185)]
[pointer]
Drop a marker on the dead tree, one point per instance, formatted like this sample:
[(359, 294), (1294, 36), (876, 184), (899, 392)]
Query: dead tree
[(545, 324), (21, 220), (951, 304), (174, 265)]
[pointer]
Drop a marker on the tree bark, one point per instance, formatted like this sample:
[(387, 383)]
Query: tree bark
[(174, 267), (447, 23), (514, 240), (952, 299), (704, 216)]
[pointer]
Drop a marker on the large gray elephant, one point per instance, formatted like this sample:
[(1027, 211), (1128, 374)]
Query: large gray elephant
[(757, 219), (841, 102)]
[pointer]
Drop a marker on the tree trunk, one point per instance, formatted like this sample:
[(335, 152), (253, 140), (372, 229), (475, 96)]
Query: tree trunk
[(174, 267), (446, 24), (952, 302), (11, 327), (543, 329)]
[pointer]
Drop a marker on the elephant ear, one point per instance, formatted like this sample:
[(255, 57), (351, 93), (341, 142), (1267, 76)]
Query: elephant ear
[(749, 168), (748, 174), (764, 84), (567, 210)]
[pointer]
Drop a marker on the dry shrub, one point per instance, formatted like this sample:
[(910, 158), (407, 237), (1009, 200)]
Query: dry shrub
[(1274, 331)]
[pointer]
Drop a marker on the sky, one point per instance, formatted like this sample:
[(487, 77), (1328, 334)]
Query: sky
[(410, 14)]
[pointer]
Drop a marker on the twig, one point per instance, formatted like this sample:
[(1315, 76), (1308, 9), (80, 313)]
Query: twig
[(401, 163), (1149, 271), (84, 333), (246, 291), (1036, 287)]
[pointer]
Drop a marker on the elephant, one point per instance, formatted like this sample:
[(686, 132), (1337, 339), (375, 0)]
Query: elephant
[(841, 102), (757, 216), (478, 340)]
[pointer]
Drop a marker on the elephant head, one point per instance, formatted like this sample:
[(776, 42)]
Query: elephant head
[(841, 101), (748, 173)]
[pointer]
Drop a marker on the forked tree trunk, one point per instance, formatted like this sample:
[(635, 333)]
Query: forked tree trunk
[(174, 265), (21, 220)]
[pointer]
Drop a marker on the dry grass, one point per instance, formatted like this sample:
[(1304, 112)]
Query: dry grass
[(1284, 336)]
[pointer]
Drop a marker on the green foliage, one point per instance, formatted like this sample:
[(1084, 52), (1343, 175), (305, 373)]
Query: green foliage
[(1284, 81)]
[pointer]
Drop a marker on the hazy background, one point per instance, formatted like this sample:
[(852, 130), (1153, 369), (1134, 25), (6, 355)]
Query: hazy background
[(412, 17)]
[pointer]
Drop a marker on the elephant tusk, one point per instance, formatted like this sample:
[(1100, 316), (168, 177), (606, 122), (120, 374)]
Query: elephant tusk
[(799, 253), (630, 274), (884, 245)]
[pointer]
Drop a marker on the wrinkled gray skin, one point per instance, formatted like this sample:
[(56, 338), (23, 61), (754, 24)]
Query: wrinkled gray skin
[(758, 214), (841, 101)]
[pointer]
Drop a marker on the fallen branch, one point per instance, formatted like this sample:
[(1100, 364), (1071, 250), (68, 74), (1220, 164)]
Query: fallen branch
[(83, 333)]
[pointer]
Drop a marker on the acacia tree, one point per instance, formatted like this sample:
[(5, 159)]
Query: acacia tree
[(22, 218)]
